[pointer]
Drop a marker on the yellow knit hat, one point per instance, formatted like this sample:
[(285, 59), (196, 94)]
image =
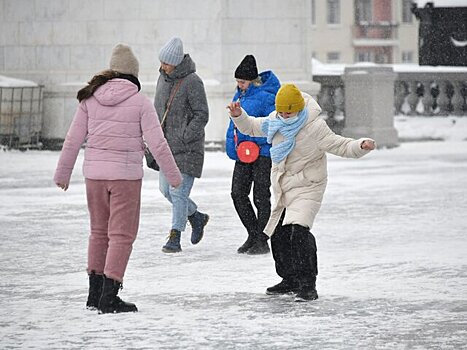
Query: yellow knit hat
[(289, 99)]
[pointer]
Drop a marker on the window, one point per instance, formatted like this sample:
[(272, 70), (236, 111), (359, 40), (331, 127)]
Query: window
[(406, 13), (363, 56), (407, 57), (381, 58), (313, 12), (363, 11), (334, 11), (333, 57)]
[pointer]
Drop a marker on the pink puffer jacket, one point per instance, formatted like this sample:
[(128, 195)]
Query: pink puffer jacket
[(113, 122)]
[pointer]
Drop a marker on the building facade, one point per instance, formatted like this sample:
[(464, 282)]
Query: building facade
[(351, 31)]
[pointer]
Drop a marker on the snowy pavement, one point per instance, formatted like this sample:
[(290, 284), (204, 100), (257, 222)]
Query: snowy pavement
[(392, 246)]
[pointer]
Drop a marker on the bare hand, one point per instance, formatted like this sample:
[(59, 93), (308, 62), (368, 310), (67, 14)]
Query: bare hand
[(235, 110), (62, 186), (368, 145)]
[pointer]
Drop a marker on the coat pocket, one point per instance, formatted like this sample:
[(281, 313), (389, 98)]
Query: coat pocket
[(316, 172)]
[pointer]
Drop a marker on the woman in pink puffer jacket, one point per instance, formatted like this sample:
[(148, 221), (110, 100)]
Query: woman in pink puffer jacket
[(113, 117)]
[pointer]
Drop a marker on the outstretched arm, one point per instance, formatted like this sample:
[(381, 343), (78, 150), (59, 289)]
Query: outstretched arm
[(338, 145), (246, 124)]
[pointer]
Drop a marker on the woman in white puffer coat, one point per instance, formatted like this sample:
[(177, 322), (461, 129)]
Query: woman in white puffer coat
[(300, 140)]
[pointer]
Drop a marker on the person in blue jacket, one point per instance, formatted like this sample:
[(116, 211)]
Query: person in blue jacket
[(256, 92)]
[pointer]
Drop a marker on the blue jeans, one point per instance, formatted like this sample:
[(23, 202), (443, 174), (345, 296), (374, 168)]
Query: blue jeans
[(182, 205)]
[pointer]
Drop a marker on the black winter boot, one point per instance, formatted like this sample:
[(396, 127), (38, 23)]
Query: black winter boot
[(283, 287), (110, 302), (197, 221), (95, 290), (307, 291), (306, 294), (247, 245), (260, 246)]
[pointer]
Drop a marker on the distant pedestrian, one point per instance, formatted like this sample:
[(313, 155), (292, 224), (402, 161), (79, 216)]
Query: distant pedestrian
[(182, 106), (300, 140), (252, 170), (113, 117)]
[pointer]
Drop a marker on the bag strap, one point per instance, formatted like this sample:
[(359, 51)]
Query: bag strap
[(235, 137), (171, 98), (235, 128)]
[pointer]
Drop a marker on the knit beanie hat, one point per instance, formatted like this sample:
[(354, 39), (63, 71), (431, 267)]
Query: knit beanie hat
[(247, 69), (289, 99), (172, 52), (124, 61)]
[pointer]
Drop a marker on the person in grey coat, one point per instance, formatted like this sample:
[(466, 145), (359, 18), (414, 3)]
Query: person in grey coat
[(182, 107)]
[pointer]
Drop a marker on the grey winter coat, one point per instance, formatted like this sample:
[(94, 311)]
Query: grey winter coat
[(187, 117), (299, 181)]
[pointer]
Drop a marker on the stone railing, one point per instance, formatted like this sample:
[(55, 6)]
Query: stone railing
[(331, 98), (442, 93), (418, 90)]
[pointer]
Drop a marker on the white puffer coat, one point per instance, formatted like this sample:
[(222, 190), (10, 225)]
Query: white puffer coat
[(299, 181)]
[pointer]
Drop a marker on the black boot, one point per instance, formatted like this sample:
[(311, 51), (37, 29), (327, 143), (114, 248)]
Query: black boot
[(260, 246), (307, 291), (247, 245), (110, 302), (306, 294), (283, 287), (95, 290), (197, 221)]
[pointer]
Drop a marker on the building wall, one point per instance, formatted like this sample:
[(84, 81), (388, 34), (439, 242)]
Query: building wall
[(69, 40), (63, 43)]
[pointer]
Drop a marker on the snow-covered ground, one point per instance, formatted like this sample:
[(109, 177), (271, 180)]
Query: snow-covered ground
[(392, 246)]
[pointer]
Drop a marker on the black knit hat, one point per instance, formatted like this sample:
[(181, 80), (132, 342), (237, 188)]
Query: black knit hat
[(247, 69)]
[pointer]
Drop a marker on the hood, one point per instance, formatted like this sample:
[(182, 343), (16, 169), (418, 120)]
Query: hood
[(186, 67), (313, 107), (271, 83), (115, 91)]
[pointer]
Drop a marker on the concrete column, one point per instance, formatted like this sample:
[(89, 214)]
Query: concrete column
[(369, 104)]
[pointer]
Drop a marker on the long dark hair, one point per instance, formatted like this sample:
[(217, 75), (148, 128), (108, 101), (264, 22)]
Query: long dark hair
[(98, 80)]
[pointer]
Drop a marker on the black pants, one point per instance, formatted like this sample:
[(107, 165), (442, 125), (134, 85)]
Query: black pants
[(294, 252), (256, 175)]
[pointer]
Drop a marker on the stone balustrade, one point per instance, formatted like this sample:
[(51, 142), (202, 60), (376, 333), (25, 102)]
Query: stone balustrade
[(418, 90)]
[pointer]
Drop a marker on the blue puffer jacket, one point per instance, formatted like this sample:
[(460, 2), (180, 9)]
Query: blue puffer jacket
[(257, 101)]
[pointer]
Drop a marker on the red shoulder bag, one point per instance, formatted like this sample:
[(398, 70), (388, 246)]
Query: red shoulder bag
[(247, 151)]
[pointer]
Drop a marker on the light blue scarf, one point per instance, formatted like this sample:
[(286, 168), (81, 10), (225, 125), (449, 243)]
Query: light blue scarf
[(289, 128)]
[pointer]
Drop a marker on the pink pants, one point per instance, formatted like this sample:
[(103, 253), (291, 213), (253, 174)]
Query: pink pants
[(114, 207)]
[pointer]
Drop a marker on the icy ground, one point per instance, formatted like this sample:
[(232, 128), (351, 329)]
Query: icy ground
[(392, 249)]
